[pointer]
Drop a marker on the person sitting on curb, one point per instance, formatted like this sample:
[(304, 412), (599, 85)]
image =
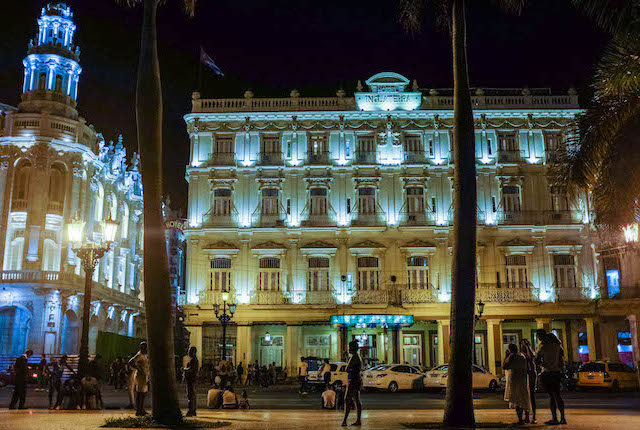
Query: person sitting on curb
[(328, 398), (229, 399), (244, 400)]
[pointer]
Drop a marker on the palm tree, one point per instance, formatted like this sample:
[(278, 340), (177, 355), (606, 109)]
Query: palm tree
[(157, 292), (604, 152), (452, 13)]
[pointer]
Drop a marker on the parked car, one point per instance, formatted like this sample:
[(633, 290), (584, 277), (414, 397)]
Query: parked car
[(393, 377), (314, 364), (482, 379), (607, 374)]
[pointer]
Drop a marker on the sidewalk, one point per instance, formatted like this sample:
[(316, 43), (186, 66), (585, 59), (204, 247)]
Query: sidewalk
[(579, 419)]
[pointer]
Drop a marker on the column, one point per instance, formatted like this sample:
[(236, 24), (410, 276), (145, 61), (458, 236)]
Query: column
[(195, 339), (572, 337), (565, 337), (494, 345), (544, 323), (591, 338), (292, 353), (633, 329), (401, 358), (243, 345), (443, 341)]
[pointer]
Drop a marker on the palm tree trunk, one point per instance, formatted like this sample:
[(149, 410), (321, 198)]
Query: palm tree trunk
[(157, 293), (459, 400)]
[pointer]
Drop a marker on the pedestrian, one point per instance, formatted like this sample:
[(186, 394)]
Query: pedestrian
[(256, 373), (354, 384), (243, 403), (140, 362), (190, 372), (517, 389), (89, 395), (302, 375), (229, 399), (550, 356), (20, 383), (222, 372), (240, 372), (42, 374), (249, 374), (272, 373), (325, 372), (532, 374), (328, 398), (96, 370), (130, 382), (115, 373)]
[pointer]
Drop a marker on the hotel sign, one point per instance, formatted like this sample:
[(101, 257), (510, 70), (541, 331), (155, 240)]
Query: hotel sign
[(388, 101)]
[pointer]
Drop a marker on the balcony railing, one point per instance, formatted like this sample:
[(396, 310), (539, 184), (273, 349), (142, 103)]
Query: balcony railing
[(371, 297), (368, 220), (538, 217), (417, 218), (571, 294), (320, 158), (366, 157), (492, 293), (268, 220), (419, 295), (318, 221), (70, 282), (55, 208), (214, 297), (271, 158), (268, 298), (222, 159), (415, 157), (19, 205), (510, 157)]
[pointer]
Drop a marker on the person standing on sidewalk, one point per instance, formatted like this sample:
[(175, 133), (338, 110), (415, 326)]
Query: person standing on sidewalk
[(190, 377), (20, 383), (532, 374), (240, 372), (42, 374), (140, 362), (550, 356), (302, 375), (517, 390), (354, 384)]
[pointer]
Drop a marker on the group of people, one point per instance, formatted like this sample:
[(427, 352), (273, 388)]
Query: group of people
[(521, 371)]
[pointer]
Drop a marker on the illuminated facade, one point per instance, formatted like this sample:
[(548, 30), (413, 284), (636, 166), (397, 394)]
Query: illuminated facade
[(55, 167), (330, 219)]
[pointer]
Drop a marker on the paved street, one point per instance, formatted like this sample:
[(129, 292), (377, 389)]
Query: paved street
[(286, 397)]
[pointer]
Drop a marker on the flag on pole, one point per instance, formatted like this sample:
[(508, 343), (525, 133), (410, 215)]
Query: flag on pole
[(207, 61)]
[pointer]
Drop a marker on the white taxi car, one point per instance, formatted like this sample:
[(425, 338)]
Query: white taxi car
[(482, 379), (338, 374), (393, 377)]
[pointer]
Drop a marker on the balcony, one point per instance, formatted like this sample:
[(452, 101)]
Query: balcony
[(538, 217), (419, 295), (210, 219), (268, 298), (320, 158), (214, 297), (222, 159), (504, 293), (371, 297), (368, 220), (366, 157), (69, 283), (510, 157), (417, 218), (269, 220), (271, 158), (571, 294), (318, 221), (415, 157), (55, 208), (19, 205)]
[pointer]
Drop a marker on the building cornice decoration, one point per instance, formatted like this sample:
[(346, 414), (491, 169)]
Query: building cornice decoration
[(366, 181), (516, 246), (215, 183), (270, 183), (318, 181)]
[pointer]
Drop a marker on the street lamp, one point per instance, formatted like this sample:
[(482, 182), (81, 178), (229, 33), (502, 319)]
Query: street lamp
[(89, 253), (476, 317), (224, 319)]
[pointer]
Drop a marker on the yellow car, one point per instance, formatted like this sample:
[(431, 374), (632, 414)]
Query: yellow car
[(606, 374)]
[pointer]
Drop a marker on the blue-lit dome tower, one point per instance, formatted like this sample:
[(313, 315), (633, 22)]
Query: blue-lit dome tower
[(51, 68)]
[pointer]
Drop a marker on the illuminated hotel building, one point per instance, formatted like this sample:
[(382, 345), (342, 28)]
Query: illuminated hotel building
[(330, 219), (55, 167)]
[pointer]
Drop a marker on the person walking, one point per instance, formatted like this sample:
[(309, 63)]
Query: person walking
[(354, 384), (96, 370), (140, 362), (130, 384), (240, 372), (550, 356), (55, 381), (517, 389), (190, 372), (302, 375), (21, 371), (42, 374), (325, 372), (532, 374)]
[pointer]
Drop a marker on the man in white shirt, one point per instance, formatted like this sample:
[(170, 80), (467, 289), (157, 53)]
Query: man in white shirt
[(302, 375), (328, 398)]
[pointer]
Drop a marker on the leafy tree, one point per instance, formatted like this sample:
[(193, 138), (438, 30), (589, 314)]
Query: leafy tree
[(157, 291), (451, 15)]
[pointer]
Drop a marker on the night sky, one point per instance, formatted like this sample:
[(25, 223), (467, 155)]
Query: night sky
[(274, 46)]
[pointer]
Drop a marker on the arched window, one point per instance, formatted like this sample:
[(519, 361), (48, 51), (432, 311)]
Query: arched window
[(50, 256), (42, 81), (97, 216), (58, 84), (56, 191), (124, 223), (13, 258), (21, 186)]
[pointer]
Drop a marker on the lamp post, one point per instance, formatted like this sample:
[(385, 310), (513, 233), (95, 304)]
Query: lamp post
[(224, 319), (89, 253), (476, 317)]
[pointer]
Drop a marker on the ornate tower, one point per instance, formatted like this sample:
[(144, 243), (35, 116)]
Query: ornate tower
[(51, 68)]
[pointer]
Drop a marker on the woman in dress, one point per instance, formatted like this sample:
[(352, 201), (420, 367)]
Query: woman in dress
[(517, 389)]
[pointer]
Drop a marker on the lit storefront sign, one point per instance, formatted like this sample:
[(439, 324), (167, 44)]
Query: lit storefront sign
[(368, 320)]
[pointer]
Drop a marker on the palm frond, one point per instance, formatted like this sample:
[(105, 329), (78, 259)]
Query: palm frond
[(129, 3), (618, 73), (615, 16), (512, 6), (190, 7), (411, 14)]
